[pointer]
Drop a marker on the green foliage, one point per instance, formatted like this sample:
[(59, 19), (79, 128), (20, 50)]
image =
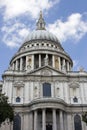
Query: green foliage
[(84, 117), (6, 111)]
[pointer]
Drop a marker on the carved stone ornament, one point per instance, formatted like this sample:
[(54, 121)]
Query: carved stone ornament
[(18, 84), (74, 85), (46, 72), (35, 91)]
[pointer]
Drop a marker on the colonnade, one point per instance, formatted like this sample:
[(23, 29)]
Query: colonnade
[(41, 60), (53, 125)]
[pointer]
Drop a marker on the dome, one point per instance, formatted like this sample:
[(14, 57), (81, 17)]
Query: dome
[(41, 48), (41, 34)]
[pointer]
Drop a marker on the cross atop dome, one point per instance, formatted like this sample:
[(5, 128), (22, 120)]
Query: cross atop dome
[(40, 23)]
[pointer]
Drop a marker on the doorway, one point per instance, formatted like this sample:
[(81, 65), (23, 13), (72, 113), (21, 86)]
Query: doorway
[(48, 127)]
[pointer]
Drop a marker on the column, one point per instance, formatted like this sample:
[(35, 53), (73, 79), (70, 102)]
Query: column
[(39, 60), (43, 119), (59, 63), (13, 66), (16, 64), (65, 121), (67, 66), (31, 121), (26, 63), (53, 61), (32, 61), (35, 120), (61, 120), (64, 67), (21, 62), (54, 120)]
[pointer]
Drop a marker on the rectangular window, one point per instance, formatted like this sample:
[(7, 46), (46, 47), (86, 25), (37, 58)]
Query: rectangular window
[(47, 90)]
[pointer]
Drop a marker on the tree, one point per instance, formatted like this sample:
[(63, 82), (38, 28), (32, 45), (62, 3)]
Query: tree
[(84, 117), (6, 110)]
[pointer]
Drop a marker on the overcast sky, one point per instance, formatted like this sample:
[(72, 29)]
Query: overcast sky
[(67, 19)]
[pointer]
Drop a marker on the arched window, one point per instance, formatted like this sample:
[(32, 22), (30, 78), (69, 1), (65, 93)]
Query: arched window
[(75, 99), (17, 122), (18, 99), (77, 122), (47, 90)]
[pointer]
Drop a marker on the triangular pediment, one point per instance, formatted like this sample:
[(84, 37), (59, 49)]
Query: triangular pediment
[(46, 70)]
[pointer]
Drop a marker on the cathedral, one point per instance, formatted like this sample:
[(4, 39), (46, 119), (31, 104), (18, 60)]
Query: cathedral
[(46, 94)]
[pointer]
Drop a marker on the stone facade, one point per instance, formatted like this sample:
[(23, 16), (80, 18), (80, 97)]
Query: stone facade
[(44, 91)]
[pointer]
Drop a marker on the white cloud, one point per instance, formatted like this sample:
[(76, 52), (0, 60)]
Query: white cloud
[(13, 8), (23, 32), (73, 28), (14, 34), (75, 64)]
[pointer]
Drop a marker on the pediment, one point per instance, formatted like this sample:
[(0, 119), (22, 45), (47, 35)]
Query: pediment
[(47, 71), (18, 84), (74, 84)]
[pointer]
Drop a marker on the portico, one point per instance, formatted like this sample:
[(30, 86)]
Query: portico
[(48, 119)]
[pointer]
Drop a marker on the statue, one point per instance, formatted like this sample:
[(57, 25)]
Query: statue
[(46, 60)]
